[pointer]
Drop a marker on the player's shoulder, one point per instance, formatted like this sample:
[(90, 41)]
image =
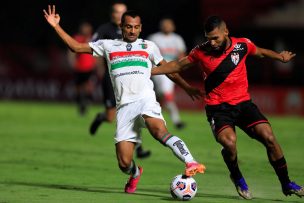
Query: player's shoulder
[(146, 41), (241, 39), (205, 47), (103, 42)]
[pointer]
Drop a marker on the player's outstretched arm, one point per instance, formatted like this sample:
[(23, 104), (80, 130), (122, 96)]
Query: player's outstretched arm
[(193, 92), (53, 19), (172, 67), (284, 56)]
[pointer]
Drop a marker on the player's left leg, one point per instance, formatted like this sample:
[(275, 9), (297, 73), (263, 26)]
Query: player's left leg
[(158, 130), (124, 153), (264, 134), (256, 125)]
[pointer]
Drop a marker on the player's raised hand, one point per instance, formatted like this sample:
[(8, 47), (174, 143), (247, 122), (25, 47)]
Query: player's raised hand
[(287, 56), (51, 16)]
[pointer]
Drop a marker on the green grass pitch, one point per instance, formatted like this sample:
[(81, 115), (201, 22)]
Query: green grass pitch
[(47, 155)]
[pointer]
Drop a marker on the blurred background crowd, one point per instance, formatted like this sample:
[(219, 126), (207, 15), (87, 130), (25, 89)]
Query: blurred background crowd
[(34, 63)]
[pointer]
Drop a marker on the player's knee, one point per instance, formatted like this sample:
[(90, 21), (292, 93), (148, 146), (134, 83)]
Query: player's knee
[(125, 167), (270, 140), (268, 137), (228, 142)]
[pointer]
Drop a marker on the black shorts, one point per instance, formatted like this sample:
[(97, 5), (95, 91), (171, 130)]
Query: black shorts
[(82, 77), (245, 115), (108, 92)]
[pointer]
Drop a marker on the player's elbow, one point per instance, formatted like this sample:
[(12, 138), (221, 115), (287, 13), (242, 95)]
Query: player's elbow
[(77, 48)]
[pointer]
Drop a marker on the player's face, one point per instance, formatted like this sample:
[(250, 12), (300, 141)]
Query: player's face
[(131, 28), (118, 10), (218, 38)]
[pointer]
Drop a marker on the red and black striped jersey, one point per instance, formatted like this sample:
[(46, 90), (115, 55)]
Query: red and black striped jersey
[(225, 74)]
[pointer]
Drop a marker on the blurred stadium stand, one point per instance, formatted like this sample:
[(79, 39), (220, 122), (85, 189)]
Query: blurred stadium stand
[(33, 60)]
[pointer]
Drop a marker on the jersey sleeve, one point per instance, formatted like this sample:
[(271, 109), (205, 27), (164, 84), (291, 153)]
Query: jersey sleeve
[(155, 57), (192, 57), (98, 47), (251, 47)]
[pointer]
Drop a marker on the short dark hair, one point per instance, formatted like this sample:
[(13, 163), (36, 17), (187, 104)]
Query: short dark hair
[(131, 13), (212, 22)]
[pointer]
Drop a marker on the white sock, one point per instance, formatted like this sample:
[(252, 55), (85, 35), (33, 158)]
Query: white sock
[(179, 148), (135, 170)]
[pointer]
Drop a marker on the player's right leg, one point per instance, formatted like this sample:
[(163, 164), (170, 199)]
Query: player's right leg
[(222, 124), (124, 153), (126, 137), (227, 138)]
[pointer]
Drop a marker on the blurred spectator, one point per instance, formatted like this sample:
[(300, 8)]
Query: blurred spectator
[(84, 66), (172, 47)]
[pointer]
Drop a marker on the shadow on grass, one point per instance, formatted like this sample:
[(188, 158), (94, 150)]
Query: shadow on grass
[(164, 194)]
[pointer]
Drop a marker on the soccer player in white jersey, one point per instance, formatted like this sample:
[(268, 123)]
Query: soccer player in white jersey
[(130, 61), (172, 47)]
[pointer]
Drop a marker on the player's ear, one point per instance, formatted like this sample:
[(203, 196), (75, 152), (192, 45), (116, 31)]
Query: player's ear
[(226, 31)]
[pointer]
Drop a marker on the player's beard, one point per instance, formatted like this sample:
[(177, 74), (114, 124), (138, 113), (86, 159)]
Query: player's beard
[(221, 49)]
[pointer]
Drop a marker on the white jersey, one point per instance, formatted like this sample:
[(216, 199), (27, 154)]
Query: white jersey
[(171, 45), (129, 67)]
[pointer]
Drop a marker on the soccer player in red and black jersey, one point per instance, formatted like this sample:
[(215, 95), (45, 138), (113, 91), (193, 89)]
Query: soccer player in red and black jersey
[(228, 103)]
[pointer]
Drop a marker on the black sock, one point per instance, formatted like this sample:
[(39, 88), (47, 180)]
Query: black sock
[(139, 148), (233, 166), (280, 167), (101, 117)]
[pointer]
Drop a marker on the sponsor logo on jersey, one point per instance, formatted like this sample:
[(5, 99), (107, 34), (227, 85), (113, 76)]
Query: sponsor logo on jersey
[(123, 59), (181, 148), (237, 47)]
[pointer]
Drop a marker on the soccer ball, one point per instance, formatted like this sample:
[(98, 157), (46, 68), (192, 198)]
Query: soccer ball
[(183, 187)]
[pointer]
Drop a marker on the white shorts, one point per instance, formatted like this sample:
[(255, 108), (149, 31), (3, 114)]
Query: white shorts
[(163, 84), (129, 120)]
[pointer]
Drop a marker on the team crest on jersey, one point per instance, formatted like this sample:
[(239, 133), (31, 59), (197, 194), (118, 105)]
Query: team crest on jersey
[(235, 57), (144, 46), (129, 47)]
